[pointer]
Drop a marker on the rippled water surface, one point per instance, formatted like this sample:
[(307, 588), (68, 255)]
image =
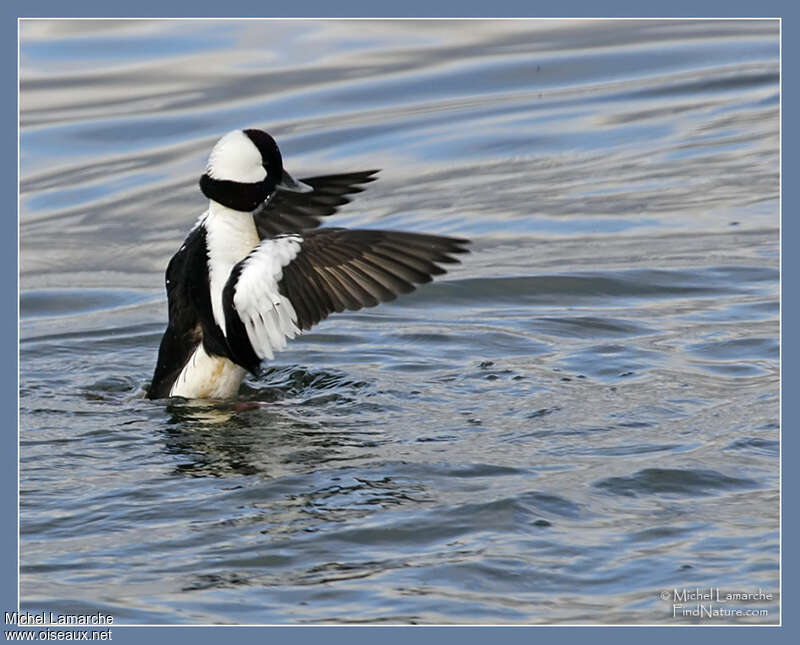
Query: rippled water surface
[(580, 415)]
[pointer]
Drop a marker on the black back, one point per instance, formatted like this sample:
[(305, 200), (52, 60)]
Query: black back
[(191, 320)]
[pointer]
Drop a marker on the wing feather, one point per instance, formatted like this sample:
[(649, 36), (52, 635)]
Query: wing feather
[(289, 212), (254, 328), (292, 282), (338, 269)]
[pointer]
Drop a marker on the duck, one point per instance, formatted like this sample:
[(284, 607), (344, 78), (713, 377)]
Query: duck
[(256, 270)]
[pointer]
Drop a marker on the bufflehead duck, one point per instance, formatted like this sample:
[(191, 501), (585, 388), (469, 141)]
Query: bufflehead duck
[(254, 272)]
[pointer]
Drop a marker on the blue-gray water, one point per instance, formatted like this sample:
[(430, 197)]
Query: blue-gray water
[(582, 414)]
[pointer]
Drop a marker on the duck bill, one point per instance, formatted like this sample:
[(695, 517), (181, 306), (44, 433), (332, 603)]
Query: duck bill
[(293, 185)]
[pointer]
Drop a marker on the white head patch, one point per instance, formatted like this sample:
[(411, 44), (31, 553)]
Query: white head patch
[(236, 158)]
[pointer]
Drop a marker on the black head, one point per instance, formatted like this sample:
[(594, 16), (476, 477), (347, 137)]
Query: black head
[(244, 169)]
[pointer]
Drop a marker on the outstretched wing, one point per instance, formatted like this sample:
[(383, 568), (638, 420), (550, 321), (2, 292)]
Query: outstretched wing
[(289, 212), (338, 269), (292, 282)]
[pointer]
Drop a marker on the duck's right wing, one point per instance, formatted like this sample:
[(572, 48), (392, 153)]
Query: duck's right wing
[(289, 212)]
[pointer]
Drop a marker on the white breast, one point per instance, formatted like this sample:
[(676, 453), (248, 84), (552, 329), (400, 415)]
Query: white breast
[(230, 236)]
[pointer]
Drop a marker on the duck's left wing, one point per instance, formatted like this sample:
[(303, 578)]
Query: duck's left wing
[(292, 282), (258, 318)]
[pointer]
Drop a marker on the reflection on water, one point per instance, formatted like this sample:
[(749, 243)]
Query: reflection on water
[(583, 413)]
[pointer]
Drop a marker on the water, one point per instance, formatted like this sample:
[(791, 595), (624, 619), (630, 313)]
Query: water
[(581, 415)]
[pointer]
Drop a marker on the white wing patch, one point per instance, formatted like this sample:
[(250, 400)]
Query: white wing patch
[(268, 316)]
